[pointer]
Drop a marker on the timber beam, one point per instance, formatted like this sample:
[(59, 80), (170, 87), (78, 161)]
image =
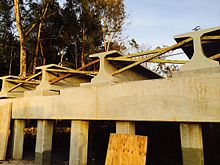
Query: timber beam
[(173, 47)]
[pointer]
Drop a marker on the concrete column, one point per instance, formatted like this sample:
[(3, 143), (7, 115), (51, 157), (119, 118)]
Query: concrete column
[(18, 139), (192, 144), (79, 142), (44, 142), (125, 127)]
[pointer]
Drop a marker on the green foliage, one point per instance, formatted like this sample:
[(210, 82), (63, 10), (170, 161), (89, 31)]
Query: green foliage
[(68, 33), (8, 42)]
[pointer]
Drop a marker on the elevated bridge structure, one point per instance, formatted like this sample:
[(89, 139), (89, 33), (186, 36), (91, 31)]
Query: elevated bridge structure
[(123, 91)]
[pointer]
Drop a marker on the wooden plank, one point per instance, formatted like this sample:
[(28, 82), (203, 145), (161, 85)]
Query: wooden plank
[(175, 46), (5, 119), (72, 71), (142, 53), (59, 78), (161, 49), (210, 38), (215, 56), (126, 149), (152, 60), (89, 64), (23, 81), (69, 74), (28, 79)]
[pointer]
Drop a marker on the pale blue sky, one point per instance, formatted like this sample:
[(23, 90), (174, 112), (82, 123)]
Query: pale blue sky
[(155, 22)]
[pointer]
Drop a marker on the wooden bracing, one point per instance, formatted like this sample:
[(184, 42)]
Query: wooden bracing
[(79, 69), (136, 59), (24, 81)]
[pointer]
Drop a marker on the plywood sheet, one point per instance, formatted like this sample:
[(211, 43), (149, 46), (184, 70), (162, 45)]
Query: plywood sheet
[(126, 149), (5, 119)]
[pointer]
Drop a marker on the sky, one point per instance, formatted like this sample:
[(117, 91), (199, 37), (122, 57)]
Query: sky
[(155, 22)]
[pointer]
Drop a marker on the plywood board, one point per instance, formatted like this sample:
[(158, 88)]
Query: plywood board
[(126, 149), (5, 119)]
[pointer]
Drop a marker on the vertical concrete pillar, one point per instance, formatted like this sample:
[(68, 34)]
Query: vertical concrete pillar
[(79, 142), (43, 142), (191, 144), (125, 127), (18, 139)]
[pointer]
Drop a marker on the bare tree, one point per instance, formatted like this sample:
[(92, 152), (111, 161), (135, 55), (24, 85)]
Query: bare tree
[(44, 12), (23, 33), (112, 16)]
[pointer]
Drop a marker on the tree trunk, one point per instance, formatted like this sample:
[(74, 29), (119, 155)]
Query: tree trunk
[(42, 53), (23, 45), (11, 60), (37, 48), (44, 12), (23, 52), (83, 46)]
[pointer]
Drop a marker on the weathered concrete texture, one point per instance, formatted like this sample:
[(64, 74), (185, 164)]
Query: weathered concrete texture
[(125, 127), (18, 139), (43, 158), (40, 93), (192, 156), (192, 144), (5, 119), (214, 71), (79, 143), (192, 99), (44, 142)]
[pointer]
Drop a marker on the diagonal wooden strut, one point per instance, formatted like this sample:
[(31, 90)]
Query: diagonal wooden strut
[(72, 71), (31, 77), (175, 46), (69, 74), (141, 53), (152, 60), (215, 56)]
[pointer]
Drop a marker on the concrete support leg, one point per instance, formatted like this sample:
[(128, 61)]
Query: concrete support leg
[(43, 142), (192, 144), (124, 127), (18, 139), (79, 142)]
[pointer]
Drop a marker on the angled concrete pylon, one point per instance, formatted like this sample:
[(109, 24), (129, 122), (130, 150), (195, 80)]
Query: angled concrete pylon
[(105, 70), (199, 60)]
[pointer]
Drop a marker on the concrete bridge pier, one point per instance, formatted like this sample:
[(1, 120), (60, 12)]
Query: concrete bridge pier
[(44, 142), (18, 139), (78, 142), (125, 127), (192, 144)]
